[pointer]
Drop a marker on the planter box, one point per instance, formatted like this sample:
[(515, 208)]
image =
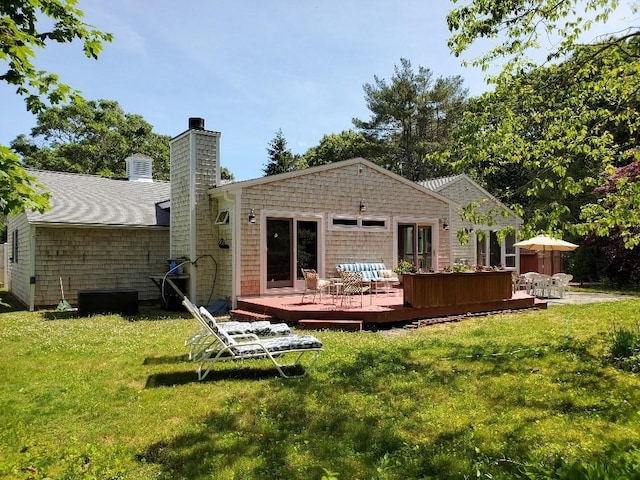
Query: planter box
[(442, 289)]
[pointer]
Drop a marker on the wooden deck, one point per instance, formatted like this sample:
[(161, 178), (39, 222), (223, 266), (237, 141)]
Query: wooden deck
[(377, 310)]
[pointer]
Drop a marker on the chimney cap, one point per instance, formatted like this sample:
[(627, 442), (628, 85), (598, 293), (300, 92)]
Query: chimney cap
[(196, 123)]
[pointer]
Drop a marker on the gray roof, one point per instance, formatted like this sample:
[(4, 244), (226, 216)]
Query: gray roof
[(436, 184), (91, 200)]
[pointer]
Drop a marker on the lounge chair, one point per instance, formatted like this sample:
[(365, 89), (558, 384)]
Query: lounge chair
[(202, 339), (249, 346)]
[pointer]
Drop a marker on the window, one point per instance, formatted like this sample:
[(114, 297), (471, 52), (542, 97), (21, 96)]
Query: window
[(369, 223), (14, 246), (374, 223), (222, 218), (491, 252), (344, 222)]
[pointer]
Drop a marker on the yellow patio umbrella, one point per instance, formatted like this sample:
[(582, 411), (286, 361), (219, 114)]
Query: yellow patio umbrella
[(544, 243)]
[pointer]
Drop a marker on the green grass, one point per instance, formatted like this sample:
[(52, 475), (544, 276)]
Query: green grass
[(500, 396)]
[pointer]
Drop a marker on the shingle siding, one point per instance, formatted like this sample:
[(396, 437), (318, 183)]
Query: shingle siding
[(19, 272), (89, 258), (188, 179), (338, 191), (463, 191)]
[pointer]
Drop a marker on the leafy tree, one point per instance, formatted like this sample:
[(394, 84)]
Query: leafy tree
[(225, 174), (281, 160), (413, 116), (545, 140), (25, 26), (91, 137), (519, 26), (343, 146)]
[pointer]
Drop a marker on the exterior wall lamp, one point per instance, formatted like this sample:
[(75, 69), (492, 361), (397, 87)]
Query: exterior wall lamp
[(445, 223), (363, 206), (252, 216)]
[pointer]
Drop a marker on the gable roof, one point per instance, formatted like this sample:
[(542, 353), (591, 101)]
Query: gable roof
[(80, 199), (438, 184), (329, 166)]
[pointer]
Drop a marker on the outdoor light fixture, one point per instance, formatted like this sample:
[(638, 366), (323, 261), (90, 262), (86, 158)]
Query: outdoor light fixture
[(445, 223), (363, 206), (252, 216)]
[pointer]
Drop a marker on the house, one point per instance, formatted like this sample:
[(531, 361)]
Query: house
[(98, 233), (485, 246), (252, 237), (240, 239)]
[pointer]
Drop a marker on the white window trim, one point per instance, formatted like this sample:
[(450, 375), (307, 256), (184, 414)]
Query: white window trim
[(295, 216), (487, 242)]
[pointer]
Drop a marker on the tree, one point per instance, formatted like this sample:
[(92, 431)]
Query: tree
[(281, 160), (225, 174), (91, 137), (547, 138), (343, 146), (25, 26), (520, 25), (413, 115)]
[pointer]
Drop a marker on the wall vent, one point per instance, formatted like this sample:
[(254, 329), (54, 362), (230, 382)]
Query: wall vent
[(139, 168)]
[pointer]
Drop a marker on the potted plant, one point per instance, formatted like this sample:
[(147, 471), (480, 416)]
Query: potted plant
[(403, 267)]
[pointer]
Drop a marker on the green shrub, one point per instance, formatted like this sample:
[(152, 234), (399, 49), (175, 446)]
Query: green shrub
[(624, 343), (624, 350)]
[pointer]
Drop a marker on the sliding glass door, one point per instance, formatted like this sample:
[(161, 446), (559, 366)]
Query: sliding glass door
[(415, 245), (291, 245)]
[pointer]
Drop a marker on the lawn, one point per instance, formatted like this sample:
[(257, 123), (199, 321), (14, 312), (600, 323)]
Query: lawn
[(500, 396)]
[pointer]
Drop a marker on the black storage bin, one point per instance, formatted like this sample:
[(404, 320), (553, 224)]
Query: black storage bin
[(108, 300)]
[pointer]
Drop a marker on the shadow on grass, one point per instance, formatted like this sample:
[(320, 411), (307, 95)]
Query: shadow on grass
[(346, 418), (60, 315), (8, 303), (172, 379), (166, 360)]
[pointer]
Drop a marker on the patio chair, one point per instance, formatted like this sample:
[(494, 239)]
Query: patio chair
[(353, 284), (519, 282), (251, 347), (313, 283), (530, 282), (560, 281), (542, 286), (202, 339)]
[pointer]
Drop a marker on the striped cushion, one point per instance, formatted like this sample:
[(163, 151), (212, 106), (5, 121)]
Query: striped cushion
[(279, 344), (370, 270), (259, 328)]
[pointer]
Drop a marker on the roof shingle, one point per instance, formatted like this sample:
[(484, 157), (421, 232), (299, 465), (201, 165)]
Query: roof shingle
[(92, 200)]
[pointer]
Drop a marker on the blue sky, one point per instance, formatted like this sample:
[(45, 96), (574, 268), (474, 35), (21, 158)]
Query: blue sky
[(248, 67)]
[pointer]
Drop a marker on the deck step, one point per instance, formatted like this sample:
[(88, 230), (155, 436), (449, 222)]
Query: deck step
[(249, 316), (312, 324)]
